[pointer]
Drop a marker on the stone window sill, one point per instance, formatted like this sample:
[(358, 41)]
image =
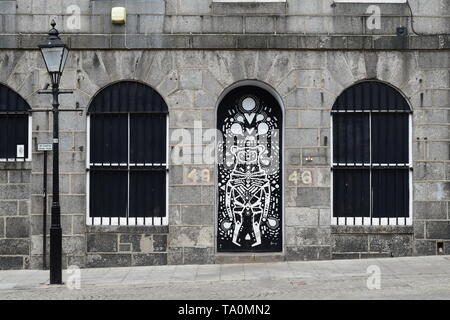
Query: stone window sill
[(372, 229), (127, 229), (19, 165)]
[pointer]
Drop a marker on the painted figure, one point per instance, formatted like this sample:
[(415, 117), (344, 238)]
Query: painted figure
[(247, 196)]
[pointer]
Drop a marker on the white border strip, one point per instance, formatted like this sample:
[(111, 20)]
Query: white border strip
[(359, 221)]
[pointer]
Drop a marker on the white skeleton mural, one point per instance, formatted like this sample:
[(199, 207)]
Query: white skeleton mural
[(249, 172)]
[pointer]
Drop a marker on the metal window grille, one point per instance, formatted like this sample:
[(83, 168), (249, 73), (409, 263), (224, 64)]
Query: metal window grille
[(128, 156), (371, 156), (15, 121)]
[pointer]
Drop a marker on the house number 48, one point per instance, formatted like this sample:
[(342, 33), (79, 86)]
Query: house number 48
[(199, 176)]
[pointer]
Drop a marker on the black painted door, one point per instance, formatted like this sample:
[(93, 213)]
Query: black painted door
[(249, 172)]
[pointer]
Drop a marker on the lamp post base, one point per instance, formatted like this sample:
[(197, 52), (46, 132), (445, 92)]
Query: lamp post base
[(55, 255)]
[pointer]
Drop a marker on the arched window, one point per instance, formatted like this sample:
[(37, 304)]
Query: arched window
[(371, 156), (15, 126), (250, 192), (127, 162)]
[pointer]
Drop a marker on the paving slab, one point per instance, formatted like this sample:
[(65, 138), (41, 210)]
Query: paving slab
[(400, 278)]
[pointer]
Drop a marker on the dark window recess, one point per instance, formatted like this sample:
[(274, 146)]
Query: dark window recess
[(147, 193), (148, 138), (390, 193), (371, 96), (108, 192), (128, 153), (109, 138), (14, 132), (351, 193), (371, 152), (351, 137), (390, 138)]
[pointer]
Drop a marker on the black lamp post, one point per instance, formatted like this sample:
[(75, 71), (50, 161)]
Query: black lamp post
[(55, 53)]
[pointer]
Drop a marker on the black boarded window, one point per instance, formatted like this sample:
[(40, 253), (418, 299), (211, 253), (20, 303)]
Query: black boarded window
[(128, 156), (371, 162), (14, 126)]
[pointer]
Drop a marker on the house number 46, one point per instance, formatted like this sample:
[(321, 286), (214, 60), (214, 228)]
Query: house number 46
[(305, 177)]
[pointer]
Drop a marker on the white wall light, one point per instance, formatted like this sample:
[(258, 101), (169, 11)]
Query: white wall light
[(118, 15)]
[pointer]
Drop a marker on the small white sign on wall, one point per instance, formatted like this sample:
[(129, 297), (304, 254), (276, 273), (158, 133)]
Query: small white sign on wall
[(45, 147), (20, 151)]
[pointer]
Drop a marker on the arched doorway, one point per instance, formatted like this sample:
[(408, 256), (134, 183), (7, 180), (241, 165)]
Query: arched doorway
[(127, 156), (249, 175)]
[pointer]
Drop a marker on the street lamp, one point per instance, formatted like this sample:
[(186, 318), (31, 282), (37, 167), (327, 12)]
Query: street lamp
[(55, 53)]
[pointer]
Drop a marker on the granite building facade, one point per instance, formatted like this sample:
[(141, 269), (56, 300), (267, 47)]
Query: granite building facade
[(190, 69)]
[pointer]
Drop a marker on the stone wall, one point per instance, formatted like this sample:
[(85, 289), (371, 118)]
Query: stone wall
[(14, 215), (123, 246), (72, 167), (205, 16), (190, 51), (431, 154), (191, 82), (203, 24), (359, 242)]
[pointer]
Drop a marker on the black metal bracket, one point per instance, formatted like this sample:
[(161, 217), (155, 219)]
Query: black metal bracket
[(59, 92)]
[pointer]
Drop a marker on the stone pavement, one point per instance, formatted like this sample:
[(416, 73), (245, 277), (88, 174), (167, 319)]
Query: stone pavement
[(400, 278)]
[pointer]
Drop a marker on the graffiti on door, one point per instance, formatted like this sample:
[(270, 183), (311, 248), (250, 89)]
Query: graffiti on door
[(249, 172)]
